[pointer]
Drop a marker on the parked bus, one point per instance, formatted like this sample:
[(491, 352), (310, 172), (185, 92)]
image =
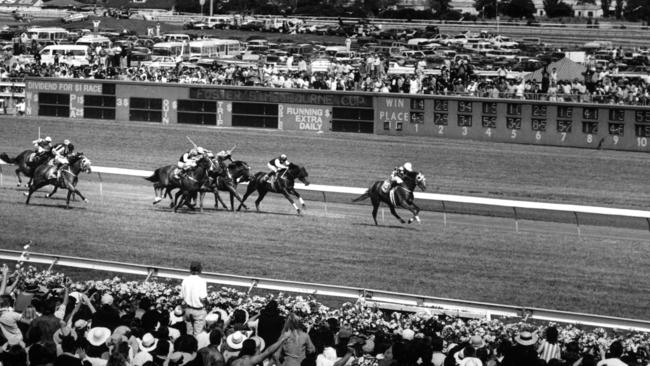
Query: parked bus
[(69, 54), (54, 34), (214, 48), (175, 49), (93, 41)]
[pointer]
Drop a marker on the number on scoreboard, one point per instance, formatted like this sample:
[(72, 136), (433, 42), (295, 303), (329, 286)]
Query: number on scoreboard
[(538, 124), (564, 125), (539, 110), (464, 120), (417, 104), (489, 122), (642, 130), (490, 108), (417, 117), (464, 106), (616, 129), (642, 116), (590, 128), (565, 112), (616, 115), (440, 119), (440, 105), (513, 123), (514, 109), (590, 114)]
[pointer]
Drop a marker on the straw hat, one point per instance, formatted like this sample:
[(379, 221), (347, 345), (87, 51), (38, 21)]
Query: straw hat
[(526, 338), (148, 343), (236, 340), (98, 336)]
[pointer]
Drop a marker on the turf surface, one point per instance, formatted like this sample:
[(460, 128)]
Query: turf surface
[(476, 258)]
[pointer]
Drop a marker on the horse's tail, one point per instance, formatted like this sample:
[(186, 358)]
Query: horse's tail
[(155, 177), (4, 157), (364, 196)]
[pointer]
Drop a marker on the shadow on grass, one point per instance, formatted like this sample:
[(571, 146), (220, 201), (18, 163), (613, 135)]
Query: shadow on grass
[(380, 225), (61, 206)]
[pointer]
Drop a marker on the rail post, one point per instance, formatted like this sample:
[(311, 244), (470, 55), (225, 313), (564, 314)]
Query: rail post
[(577, 223), (325, 202), (1, 176), (101, 187), (444, 214), (514, 209)]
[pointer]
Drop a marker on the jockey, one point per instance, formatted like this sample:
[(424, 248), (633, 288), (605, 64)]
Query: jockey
[(222, 156), (188, 160), (398, 174), (43, 146), (276, 164), (61, 152)]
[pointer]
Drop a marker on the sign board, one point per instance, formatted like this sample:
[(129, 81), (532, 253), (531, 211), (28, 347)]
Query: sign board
[(276, 96), (304, 117), (14, 3), (65, 87)]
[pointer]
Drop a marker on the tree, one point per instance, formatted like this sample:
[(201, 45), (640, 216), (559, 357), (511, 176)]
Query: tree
[(618, 9), (440, 7), (487, 8), (520, 9), (605, 4), (636, 10), (557, 8)]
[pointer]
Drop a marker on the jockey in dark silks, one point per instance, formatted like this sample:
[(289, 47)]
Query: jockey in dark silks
[(276, 164), (61, 152), (42, 148), (397, 176), (188, 160)]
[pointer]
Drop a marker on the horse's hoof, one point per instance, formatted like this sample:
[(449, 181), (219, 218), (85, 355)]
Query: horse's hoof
[(86, 200), (299, 213), (25, 193), (304, 207)]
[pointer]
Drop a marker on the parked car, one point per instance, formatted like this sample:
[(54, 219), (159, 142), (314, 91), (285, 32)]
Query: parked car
[(75, 17), (196, 24), (252, 26)]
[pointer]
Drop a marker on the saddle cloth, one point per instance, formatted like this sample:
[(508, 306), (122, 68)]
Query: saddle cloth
[(386, 186)]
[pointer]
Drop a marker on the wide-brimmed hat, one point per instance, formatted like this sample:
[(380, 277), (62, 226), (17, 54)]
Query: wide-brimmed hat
[(212, 318), (259, 341), (477, 341), (107, 299), (526, 338), (148, 343), (98, 336), (236, 340), (408, 334)]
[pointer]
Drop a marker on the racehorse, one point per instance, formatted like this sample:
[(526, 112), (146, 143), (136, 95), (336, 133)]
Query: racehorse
[(163, 180), (195, 181), (283, 184), (238, 172), (25, 166), (400, 196), (68, 178)]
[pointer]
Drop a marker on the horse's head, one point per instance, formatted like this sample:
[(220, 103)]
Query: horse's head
[(299, 172), (240, 169), (81, 161), (421, 181)]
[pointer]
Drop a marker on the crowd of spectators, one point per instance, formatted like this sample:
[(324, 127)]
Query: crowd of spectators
[(45, 319), (597, 84)]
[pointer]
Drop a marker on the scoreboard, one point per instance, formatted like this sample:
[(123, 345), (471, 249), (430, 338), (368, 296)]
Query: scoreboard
[(603, 126)]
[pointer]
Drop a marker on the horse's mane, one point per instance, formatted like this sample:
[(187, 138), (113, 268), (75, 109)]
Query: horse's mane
[(236, 164)]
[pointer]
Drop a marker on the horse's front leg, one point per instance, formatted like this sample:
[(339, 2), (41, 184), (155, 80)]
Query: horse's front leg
[(49, 195), (233, 195), (286, 195), (302, 202), (20, 181), (392, 210), (218, 199)]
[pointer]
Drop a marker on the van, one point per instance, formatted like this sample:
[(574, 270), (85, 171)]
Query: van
[(94, 41), (42, 34), (72, 55), (176, 37)]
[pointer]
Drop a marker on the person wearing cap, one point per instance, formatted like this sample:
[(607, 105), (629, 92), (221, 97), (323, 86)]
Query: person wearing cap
[(194, 291), (276, 164), (187, 161), (61, 151), (42, 147), (398, 174), (523, 352)]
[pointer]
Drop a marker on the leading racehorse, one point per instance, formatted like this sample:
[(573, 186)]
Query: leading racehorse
[(25, 166), (283, 184), (195, 181), (400, 196), (68, 177)]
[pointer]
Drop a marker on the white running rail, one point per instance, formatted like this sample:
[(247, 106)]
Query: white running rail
[(384, 299)]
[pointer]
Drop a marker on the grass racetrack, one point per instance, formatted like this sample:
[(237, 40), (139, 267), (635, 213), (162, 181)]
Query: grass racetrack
[(474, 258)]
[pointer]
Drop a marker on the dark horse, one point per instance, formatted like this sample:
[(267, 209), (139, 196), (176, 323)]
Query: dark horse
[(163, 181), (195, 181), (400, 196), (25, 166), (68, 178), (283, 185), (238, 172)]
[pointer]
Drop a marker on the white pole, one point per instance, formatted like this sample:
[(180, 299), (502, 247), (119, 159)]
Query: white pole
[(324, 202), (497, 14), (101, 187)]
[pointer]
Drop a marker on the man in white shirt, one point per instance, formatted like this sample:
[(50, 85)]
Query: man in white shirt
[(613, 358), (194, 292)]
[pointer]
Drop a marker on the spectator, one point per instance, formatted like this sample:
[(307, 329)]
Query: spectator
[(298, 344), (613, 358), (68, 356), (211, 354), (549, 347), (194, 294), (108, 315), (523, 353), (45, 325)]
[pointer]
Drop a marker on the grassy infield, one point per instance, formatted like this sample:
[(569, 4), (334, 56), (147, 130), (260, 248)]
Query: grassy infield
[(547, 268)]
